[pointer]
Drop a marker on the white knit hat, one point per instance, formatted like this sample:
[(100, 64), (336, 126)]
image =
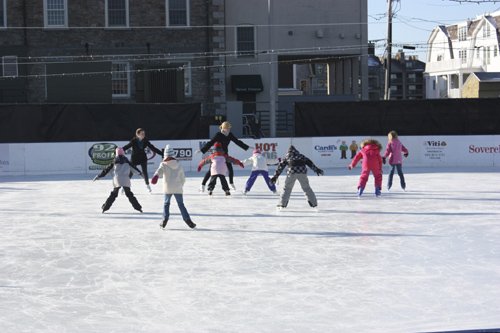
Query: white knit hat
[(168, 152)]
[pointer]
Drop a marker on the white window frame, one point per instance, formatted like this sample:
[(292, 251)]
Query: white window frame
[(4, 15), (462, 33), (237, 51), (11, 63), (127, 16), (167, 15), (127, 95), (462, 54), (46, 18), (188, 76)]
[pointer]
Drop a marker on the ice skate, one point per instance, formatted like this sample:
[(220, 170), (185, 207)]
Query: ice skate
[(378, 192), (210, 193), (190, 224), (202, 188), (228, 193), (233, 187), (149, 188), (164, 223), (360, 191)]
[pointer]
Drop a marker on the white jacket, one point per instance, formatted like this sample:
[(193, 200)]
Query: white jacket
[(258, 162), (173, 176)]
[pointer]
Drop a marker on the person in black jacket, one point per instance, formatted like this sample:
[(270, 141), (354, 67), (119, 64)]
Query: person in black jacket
[(139, 144), (297, 171), (224, 137)]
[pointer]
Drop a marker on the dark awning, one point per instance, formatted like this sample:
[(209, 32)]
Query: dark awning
[(246, 83)]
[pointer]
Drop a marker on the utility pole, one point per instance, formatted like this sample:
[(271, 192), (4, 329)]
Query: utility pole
[(272, 73), (388, 53)]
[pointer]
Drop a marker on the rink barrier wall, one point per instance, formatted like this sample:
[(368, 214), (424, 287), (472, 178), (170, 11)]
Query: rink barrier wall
[(90, 157)]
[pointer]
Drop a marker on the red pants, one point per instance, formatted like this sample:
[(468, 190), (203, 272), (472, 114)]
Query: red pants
[(363, 179)]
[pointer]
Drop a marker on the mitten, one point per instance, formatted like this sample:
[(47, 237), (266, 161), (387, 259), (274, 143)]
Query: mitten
[(349, 167), (320, 172), (199, 168), (154, 180), (406, 154), (241, 165), (383, 160)]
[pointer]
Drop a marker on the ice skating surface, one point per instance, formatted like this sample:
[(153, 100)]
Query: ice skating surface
[(423, 260)]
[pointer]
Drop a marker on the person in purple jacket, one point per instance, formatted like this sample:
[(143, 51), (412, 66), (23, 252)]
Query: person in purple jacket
[(395, 150)]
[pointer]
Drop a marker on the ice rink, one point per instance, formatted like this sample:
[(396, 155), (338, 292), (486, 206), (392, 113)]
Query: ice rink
[(423, 260)]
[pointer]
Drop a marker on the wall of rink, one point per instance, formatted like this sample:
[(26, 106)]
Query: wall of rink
[(90, 157)]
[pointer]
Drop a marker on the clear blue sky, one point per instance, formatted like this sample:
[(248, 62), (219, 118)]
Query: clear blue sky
[(414, 20)]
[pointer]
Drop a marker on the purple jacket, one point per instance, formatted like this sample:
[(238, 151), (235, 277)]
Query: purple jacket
[(394, 150)]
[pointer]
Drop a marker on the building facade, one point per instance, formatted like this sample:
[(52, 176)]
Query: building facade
[(457, 50), (105, 51)]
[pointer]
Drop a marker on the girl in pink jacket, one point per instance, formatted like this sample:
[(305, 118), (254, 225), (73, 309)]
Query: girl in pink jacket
[(218, 167), (372, 162), (395, 150)]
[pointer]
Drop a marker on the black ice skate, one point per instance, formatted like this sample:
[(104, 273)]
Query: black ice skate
[(164, 223), (190, 224)]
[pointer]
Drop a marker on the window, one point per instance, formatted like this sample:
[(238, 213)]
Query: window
[(486, 30), (462, 33), (177, 12), (440, 57), (117, 13), (487, 54), (3, 13), (245, 41), (495, 51), (120, 79), (462, 54), (187, 80), (55, 13), (9, 66)]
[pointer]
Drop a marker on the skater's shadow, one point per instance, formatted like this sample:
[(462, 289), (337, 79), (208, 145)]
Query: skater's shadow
[(368, 212), (248, 215), (308, 233)]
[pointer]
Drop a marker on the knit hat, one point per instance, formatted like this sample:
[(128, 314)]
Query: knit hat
[(218, 148), (119, 151), (256, 151), (168, 152)]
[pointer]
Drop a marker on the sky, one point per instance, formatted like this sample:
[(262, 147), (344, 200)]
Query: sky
[(414, 20)]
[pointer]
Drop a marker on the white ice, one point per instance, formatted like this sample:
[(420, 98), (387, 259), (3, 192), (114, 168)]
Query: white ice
[(423, 260)]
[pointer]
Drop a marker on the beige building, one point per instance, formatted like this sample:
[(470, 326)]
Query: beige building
[(482, 85)]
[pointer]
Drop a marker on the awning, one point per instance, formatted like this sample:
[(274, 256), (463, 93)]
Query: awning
[(246, 83)]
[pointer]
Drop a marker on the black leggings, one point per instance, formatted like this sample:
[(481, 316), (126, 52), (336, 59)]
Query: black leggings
[(144, 168), (229, 169)]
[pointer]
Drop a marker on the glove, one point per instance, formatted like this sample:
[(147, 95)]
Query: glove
[(241, 165), (154, 180), (274, 179), (383, 160), (405, 154), (96, 178), (199, 168), (320, 172), (349, 167)]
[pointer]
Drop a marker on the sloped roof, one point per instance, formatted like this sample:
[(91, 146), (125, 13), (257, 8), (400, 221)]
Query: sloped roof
[(487, 76)]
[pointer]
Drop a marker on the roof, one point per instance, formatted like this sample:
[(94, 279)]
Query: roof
[(487, 76)]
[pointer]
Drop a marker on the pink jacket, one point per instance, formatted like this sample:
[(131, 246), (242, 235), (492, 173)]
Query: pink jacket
[(372, 160), (218, 163), (394, 150)]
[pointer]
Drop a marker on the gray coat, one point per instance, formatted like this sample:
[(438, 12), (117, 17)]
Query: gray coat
[(121, 169)]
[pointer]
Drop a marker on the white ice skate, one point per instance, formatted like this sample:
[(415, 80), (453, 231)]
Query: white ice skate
[(233, 187), (202, 188), (149, 188)]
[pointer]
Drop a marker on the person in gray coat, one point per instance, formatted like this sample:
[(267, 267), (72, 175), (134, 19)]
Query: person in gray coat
[(297, 170), (121, 167)]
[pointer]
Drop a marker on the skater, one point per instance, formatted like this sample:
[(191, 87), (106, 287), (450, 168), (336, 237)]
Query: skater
[(224, 137), (173, 181), (218, 167), (122, 168), (297, 170), (343, 150), (259, 167), (139, 143), (353, 148), (206, 178), (395, 150), (372, 162)]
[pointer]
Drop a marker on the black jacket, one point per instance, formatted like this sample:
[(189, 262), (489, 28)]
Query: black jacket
[(224, 140), (296, 162), (139, 150)]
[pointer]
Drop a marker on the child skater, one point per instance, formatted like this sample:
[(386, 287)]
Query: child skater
[(173, 181), (122, 168), (297, 170), (259, 167), (206, 178), (139, 143), (218, 168), (372, 162), (394, 150), (224, 137)]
